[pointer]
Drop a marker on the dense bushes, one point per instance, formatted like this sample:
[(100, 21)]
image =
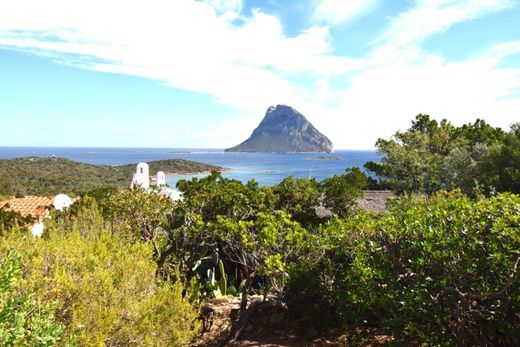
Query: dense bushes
[(440, 270), (437, 270), (8, 219), (24, 320), (104, 288)]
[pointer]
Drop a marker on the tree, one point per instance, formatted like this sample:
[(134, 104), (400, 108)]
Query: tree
[(263, 245), (479, 132), (215, 195), (500, 169), (341, 191), (411, 159), (431, 156), (205, 201), (299, 197), (9, 220), (461, 168)]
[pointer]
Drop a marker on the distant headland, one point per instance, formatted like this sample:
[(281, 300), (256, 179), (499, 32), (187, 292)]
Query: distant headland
[(53, 175)]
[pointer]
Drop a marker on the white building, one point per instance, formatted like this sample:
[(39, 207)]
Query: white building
[(141, 179), (160, 179), (37, 207)]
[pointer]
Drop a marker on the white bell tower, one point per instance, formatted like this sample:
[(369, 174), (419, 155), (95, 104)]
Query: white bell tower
[(141, 176), (160, 179)]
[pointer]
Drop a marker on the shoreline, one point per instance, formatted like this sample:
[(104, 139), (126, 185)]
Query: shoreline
[(323, 158), (280, 152), (205, 172)]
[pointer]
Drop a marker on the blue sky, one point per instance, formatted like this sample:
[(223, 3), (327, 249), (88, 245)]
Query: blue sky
[(163, 73)]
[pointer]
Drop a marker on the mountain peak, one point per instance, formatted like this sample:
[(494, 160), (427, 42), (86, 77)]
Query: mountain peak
[(284, 129), (281, 109)]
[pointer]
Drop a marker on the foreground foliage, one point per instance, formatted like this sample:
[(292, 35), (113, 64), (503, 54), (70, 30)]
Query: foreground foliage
[(436, 270), (24, 320), (104, 287), (442, 270), (129, 267)]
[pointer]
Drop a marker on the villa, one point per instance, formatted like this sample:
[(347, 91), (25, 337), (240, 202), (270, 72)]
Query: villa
[(37, 207)]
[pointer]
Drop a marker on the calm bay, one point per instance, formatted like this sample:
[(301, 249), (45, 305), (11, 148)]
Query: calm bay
[(265, 168)]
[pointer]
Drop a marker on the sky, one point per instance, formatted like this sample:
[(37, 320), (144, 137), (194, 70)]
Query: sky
[(202, 73)]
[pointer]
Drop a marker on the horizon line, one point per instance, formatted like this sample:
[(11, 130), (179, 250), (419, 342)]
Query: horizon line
[(205, 148)]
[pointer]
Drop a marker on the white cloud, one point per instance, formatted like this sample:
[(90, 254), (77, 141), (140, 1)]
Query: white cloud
[(225, 133), (225, 6), (336, 12), (384, 98), (430, 17), (194, 45), (399, 79), (184, 43)]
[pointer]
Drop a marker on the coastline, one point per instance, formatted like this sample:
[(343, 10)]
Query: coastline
[(322, 158), (279, 152), (205, 172)]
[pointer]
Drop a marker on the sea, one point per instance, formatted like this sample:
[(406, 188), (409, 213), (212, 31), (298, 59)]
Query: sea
[(266, 168)]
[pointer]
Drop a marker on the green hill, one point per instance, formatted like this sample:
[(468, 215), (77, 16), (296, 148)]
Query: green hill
[(50, 176)]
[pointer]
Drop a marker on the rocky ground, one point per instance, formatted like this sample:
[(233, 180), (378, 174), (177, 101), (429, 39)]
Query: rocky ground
[(266, 324)]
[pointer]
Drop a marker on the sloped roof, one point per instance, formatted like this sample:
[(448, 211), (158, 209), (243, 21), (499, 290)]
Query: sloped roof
[(375, 200), (372, 201), (34, 206)]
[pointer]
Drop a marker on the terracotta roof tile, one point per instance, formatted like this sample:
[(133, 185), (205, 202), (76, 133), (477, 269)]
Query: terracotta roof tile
[(35, 206)]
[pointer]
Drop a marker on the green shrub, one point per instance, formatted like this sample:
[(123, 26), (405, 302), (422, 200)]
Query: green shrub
[(10, 220), (107, 286), (442, 270), (298, 197), (24, 320), (341, 191)]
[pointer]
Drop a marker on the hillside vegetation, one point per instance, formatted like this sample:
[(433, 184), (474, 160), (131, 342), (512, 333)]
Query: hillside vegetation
[(402, 274), (49, 176)]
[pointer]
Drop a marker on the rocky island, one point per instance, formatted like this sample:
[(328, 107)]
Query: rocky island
[(284, 129)]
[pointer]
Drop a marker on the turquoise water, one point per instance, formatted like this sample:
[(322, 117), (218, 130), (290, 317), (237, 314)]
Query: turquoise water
[(266, 168), (271, 168)]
